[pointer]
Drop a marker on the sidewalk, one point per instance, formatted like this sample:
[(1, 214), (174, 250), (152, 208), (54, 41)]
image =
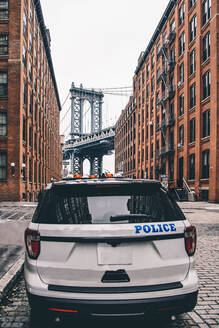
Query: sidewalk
[(14, 218)]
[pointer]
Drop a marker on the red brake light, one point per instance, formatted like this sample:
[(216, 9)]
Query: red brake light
[(190, 240), (32, 241)]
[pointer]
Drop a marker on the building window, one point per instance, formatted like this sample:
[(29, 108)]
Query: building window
[(25, 93), (181, 43), (206, 84), (152, 106), (24, 57), (30, 137), (181, 104), (147, 70), (206, 11), (147, 90), (192, 167), (24, 129), (139, 84), (192, 62), (193, 28), (30, 42), (3, 166), (3, 124), (192, 95), (181, 13), (192, 130), (30, 71), (191, 3), (31, 12), (3, 44), (152, 151), (181, 135), (25, 24), (172, 54), (152, 84), (3, 84), (143, 97), (173, 26), (143, 78), (151, 172), (205, 163), (206, 47), (152, 62), (3, 9), (30, 170), (206, 123), (181, 73)]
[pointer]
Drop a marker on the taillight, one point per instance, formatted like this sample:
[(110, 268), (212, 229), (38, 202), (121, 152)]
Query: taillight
[(32, 241), (190, 240)]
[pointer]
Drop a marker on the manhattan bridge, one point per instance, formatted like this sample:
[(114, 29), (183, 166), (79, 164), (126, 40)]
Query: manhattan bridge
[(89, 145)]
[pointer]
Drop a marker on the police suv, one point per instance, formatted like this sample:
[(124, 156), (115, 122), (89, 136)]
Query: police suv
[(109, 247)]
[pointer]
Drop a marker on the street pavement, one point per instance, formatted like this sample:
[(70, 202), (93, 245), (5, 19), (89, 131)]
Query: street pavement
[(14, 218), (14, 311)]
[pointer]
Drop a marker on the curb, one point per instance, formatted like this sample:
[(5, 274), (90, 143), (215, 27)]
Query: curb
[(8, 281)]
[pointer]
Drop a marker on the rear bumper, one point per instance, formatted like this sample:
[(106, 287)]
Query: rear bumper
[(138, 307)]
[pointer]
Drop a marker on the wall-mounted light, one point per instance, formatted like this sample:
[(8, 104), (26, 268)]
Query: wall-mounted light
[(13, 169)]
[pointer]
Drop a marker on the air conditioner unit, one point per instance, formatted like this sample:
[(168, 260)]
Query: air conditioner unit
[(179, 84), (179, 145), (151, 123)]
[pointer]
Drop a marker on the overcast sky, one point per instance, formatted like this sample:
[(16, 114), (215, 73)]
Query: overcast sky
[(97, 43)]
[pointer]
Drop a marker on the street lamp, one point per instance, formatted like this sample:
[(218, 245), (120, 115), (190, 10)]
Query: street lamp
[(13, 169)]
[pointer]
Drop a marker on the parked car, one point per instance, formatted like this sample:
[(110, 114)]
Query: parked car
[(109, 247)]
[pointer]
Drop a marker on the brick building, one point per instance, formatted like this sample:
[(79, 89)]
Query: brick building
[(30, 149), (170, 126)]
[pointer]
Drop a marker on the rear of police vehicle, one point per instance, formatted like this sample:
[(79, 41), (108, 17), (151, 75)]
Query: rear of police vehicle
[(111, 247)]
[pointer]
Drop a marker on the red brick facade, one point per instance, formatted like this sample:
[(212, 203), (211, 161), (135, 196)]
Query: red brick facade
[(173, 129), (30, 148)]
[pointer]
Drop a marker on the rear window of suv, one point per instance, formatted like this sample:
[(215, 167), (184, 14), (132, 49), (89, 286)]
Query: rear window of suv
[(106, 204)]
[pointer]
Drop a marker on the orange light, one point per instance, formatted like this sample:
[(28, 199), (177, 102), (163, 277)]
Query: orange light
[(62, 310), (77, 176), (109, 175), (92, 176)]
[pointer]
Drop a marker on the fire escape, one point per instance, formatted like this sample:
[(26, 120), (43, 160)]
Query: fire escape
[(166, 78)]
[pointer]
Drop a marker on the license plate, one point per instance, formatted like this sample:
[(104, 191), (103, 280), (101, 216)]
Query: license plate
[(106, 254)]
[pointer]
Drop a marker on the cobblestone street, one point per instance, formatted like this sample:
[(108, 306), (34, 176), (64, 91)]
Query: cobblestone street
[(14, 313)]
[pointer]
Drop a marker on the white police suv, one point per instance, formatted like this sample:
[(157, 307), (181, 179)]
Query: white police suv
[(109, 247)]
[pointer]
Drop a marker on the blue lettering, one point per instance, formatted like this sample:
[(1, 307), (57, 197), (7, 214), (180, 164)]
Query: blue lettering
[(172, 227), (153, 228), (138, 228), (165, 227), (160, 228), (147, 228)]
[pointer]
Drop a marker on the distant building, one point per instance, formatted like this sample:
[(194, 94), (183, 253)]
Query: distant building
[(30, 148), (170, 127)]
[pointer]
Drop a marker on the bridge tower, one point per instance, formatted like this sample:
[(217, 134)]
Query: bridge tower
[(95, 98)]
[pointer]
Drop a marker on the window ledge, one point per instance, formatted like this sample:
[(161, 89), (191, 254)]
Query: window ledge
[(206, 61), (206, 25), (192, 144), (192, 42), (205, 139), (4, 97), (192, 75), (181, 25), (192, 109), (204, 179), (4, 20), (4, 56), (192, 8), (4, 181), (206, 100), (191, 180), (3, 137)]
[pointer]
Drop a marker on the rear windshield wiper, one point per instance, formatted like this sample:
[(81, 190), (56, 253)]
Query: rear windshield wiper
[(129, 217)]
